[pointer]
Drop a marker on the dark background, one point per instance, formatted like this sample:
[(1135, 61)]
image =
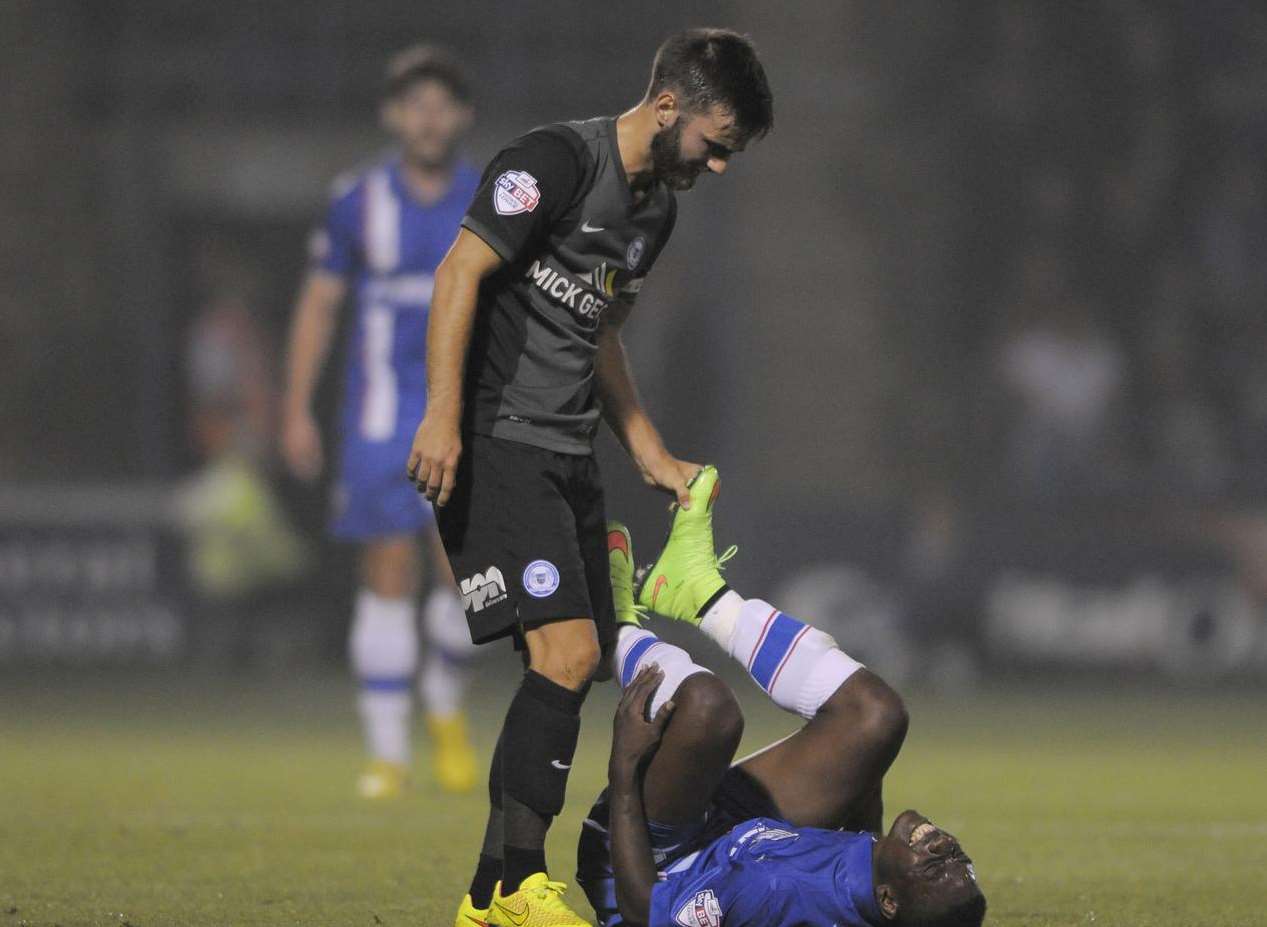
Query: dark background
[(975, 335)]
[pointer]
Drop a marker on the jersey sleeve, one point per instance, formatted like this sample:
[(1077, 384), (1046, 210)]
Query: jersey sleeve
[(526, 188), (334, 245)]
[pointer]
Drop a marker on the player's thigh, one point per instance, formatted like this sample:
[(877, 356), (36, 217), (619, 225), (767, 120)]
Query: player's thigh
[(441, 571), (829, 773), (510, 537), (389, 565), (695, 751)]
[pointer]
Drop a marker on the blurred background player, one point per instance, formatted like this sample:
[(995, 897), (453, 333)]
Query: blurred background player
[(386, 231)]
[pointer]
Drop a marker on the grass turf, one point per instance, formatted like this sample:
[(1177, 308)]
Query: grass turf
[(146, 802)]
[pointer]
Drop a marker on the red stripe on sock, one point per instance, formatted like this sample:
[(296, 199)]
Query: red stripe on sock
[(765, 629)]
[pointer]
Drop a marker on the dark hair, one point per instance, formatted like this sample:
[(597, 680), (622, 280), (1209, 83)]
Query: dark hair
[(716, 67), (420, 63)]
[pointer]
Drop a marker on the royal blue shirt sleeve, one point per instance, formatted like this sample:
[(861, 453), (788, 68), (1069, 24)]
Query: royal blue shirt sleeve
[(335, 244)]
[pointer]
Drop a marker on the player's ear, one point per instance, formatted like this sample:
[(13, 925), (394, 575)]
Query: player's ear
[(886, 900), (667, 110)]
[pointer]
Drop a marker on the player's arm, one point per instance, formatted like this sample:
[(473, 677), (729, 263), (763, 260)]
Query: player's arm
[(311, 332), (623, 411), (634, 740), (437, 445)]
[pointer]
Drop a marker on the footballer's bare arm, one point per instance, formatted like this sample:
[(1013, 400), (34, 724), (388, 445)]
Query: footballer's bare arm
[(623, 411), (311, 332), (437, 445)]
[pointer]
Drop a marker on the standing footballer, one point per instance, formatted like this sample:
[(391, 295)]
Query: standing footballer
[(524, 355), (387, 229)]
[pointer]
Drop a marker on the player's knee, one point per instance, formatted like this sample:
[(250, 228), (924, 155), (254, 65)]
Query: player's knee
[(882, 714), (571, 662), (706, 706)]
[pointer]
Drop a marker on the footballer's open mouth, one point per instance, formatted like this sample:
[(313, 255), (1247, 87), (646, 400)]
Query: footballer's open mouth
[(920, 832)]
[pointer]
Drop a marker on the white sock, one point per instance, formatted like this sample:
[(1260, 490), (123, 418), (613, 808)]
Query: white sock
[(638, 647), (446, 669), (798, 666), (383, 647)]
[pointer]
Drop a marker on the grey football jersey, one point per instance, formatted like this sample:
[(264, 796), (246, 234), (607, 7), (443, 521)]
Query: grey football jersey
[(555, 204)]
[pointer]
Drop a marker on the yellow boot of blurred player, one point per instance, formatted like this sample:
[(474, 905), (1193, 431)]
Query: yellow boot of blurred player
[(452, 757), (383, 780)]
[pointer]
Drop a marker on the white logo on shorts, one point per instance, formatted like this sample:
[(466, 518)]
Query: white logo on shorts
[(541, 578), (483, 589), (515, 192)]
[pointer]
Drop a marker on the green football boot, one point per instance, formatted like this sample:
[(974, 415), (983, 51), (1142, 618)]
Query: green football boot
[(620, 563), (687, 575)]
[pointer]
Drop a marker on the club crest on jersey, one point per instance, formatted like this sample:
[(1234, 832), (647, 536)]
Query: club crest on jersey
[(633, 254), (515, 192), (703, 910), (483, 589), (541, 579)]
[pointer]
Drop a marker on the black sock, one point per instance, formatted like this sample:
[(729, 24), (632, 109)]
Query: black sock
[(538, 743), (519, 864), (487, 873)]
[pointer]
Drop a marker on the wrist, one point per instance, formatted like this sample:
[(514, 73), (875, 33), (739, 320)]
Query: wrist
[(622, 777)]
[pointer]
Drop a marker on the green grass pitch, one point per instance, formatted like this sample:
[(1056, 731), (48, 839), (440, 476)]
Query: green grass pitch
[(150, 801)]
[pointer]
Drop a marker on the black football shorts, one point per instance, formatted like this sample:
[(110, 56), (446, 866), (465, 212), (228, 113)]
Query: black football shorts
[(526, 535)]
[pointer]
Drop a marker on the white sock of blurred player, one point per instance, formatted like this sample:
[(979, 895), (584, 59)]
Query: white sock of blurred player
[(446, 669), (383, 646)]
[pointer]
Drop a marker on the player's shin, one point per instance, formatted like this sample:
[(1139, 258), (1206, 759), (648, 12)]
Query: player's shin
[(383, 647), (538, 742), (797, 665)]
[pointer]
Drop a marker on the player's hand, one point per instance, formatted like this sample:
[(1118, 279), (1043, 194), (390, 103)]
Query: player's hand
[(301, 446), (671, 475), (433, 459), (634, 736)]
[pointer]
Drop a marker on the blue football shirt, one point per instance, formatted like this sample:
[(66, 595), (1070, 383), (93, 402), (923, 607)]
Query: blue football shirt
[(387, 244), (767, 873)]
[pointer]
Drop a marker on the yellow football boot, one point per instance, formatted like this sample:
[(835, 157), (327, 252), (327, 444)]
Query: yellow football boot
[(453, 764), (383, 780), (687, 574), (471, 916), (538, 903)]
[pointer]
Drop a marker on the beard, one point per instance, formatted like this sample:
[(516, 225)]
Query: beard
[(667, 164)]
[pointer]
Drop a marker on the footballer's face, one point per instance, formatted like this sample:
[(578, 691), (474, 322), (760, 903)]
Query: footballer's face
[(921, 869), (428, 121), (693, 143)]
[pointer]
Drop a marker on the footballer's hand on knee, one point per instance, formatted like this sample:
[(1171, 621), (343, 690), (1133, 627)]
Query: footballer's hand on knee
[(635, 736)]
